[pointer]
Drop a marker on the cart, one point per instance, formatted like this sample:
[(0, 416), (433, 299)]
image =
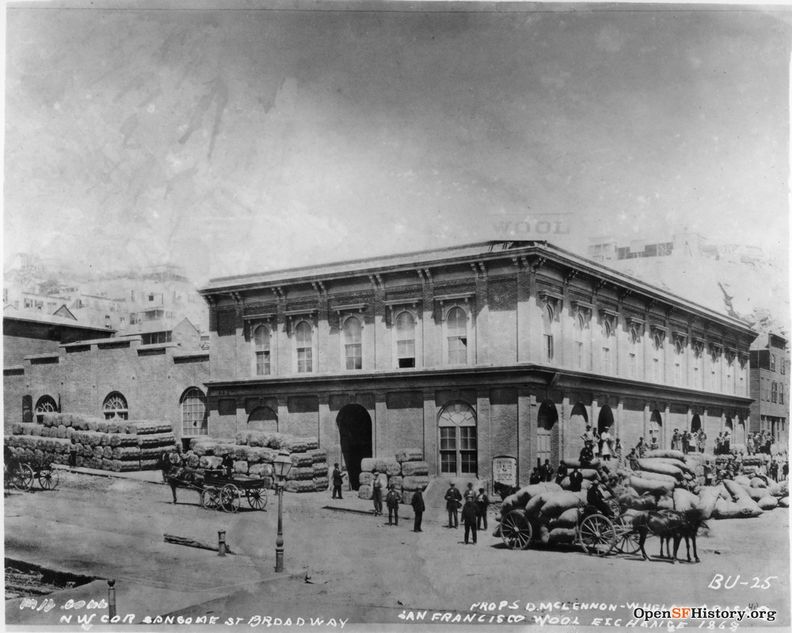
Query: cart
[(21, 475), (219, 491)]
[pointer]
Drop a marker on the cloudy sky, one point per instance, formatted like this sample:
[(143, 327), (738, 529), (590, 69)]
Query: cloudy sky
[(231, 141)]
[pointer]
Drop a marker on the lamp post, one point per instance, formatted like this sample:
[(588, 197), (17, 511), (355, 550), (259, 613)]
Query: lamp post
[(281, 467)]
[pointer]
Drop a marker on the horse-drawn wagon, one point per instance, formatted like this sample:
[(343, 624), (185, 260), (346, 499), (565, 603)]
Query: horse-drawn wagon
[(21, 474), (220, 490)]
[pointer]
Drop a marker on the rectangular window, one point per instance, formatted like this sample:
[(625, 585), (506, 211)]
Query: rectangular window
[(263, 363), (467, 449), (304, 360), (448, 449), (774, 393), (548, 347), (457, 350), (772, 362), (354, 355), (780, 394), (783, 367), (405, 352)]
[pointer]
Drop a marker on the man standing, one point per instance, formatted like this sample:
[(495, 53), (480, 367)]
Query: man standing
[(606, 440), (482, 503), (338, 481), (377, 486), (469, 519), (453, 499), (586, 455), (418, 507), (392, 501), (547, 471), (470, 494), (575, 480)]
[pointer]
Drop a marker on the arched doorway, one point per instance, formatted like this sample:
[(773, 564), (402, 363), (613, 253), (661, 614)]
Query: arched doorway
[(263, 419), (547, 433), (695, 423), (458, 439), (605, 419), (45, 404), (578, 421), (354, 430), (656, 428)]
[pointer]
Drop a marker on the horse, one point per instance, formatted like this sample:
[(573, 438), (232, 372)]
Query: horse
[(669, 525)]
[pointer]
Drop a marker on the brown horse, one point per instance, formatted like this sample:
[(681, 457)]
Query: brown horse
[(669, 525)]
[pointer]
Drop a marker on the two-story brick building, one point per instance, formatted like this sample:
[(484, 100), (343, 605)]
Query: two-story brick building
[(496, 348)]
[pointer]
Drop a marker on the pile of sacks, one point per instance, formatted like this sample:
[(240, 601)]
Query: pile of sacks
[(115, 445), (591, 472), (254, 453), (667, 478), (407, 472), (550, 507)]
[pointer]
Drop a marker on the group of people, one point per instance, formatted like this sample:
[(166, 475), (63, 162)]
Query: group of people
[(602, 445), (474, 509), (760, 442), (688, 442)]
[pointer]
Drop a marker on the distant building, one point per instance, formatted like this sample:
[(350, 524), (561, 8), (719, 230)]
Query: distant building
[(770, 386)]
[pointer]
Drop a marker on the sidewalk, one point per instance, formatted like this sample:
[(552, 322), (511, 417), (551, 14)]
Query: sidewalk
[(149, 476)]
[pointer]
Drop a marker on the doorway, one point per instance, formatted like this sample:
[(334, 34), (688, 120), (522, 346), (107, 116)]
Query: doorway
[(354, 430)]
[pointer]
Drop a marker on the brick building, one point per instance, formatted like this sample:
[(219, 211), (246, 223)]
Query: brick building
[(104, 377), (490, 349), (770, 386)]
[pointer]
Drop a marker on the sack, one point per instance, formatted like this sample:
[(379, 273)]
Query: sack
[(647, 485)]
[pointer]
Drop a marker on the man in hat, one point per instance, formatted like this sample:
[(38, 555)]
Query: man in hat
[(453, 499), (418, 508), (392, 501), (338, 481)]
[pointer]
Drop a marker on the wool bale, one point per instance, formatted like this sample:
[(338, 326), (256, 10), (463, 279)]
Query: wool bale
[(543, 535), (708, 497), (414, 468), (16, 428), (300, 486), (301, 459), (320, 469), (321, 483), (685, 468), (240, 467), (639, 503), (666, 503), (50, 418), (212, 462), (743, 480), (367, 464), (561, 535), (567, 519), (757, 493), (524, 495), (656, 477), (260, 470), (685, 500), (589, 473), (221, 450), (124, 452), (107, 452), (319, 455), (311, 443), (415, 482), (239, 453), (665, 452), (257, 438), (45, 431), (736, 491), (365, 479), (302, 473), (647, 485), (410, 455), (664, 468), (396, 480), (392, 467), (241, 438), (783, 502), (758, 482), (149, 427), (557, 502), (264, 455), (298, 444), (365, 492), (767, 503)]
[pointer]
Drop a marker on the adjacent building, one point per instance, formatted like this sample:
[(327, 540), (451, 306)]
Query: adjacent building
[(470, 353), (770, 386)]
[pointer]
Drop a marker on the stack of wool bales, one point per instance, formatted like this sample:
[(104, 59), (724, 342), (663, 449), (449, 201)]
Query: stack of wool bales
[(549, 506), (407, 473), (254, 452), (115, 445), (36, 449)]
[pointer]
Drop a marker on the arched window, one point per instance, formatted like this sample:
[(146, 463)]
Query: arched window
[(405, 339), (656, 426), (115, 406), (580, 345), (45, 404), (193, 408), (353, 347), (304, 340), (458, 442), (261, 346), (263, 419), (456, 329)]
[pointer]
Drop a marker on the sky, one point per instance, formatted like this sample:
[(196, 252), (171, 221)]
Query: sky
[(234, 141)]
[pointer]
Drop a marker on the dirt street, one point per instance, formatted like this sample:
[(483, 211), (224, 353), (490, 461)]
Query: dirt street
[(349, 565)]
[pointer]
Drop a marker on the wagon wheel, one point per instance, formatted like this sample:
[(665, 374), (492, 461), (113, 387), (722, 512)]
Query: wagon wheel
[(23, 476), (210, 499), (516, 530), (627, 539), (597, 534), (48, 478), (229, 498), (257, 498)]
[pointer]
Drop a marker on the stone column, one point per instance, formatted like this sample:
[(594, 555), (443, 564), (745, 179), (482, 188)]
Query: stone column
[(525, 436), (328, 432), (430, 432), (483, 433)]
